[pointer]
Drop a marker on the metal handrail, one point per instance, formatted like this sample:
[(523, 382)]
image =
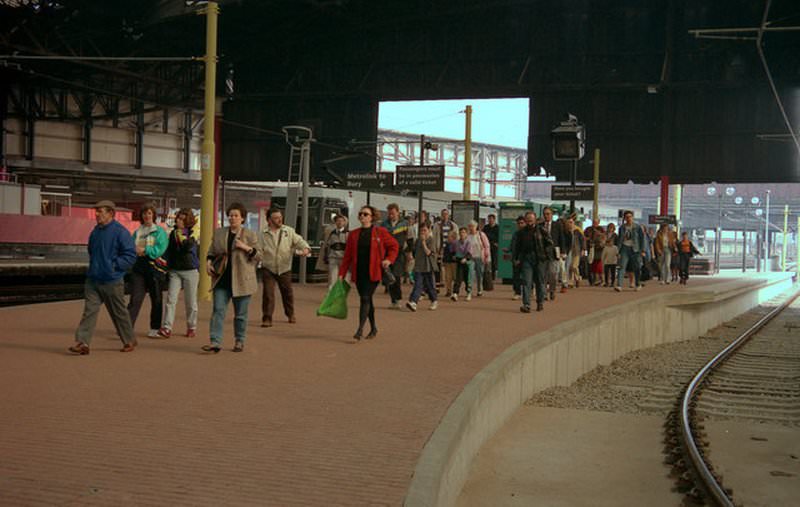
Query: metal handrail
[(710, 482)]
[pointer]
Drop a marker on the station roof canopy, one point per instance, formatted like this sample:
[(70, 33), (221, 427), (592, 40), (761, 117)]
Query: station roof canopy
[(657, 96)]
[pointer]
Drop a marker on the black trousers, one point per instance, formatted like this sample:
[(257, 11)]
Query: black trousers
[(141, 284), (396, 289), (366, 309)]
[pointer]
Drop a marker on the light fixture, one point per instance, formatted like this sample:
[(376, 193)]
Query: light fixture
[(82, 192), (196, 195), (729, 191), (754, 200), (738, 200), (60, 187), (142, 192), (759, 212), (711, 191)]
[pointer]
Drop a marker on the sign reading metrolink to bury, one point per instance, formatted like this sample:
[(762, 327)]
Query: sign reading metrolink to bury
[(426, 178), (369, 181)]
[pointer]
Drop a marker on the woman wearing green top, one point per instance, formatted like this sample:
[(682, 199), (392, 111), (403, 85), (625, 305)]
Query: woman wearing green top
[(148, 274)]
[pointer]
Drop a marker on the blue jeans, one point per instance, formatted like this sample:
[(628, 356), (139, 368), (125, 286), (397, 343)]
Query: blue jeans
[(626, 255), (423, 281), (533, 273), (478, 267), (240, 304)]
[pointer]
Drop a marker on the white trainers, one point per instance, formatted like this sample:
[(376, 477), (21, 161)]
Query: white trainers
[(454, 297), (411, 306), (618, 288), (153, 333), (394, 306), (516, 297), (638, 288), (434, 305), (469, 296)]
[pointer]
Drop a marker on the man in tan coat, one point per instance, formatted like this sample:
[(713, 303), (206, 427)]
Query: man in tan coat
[(279, 243)]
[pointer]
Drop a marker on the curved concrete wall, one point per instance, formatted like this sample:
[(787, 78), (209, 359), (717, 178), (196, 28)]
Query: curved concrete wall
[(559, 356)]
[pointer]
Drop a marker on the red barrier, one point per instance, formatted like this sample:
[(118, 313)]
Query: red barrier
[(49, 230)]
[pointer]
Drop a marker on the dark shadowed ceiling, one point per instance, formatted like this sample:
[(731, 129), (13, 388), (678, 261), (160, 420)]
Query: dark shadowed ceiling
[(655, 100)]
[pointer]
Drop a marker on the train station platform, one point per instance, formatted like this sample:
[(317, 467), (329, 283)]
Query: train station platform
[(303, 417)]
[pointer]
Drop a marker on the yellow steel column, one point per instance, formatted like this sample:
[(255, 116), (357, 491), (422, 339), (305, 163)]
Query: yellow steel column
[(467, 191), (785, 231), (797, 242), (676, 204), (596, 212), (208, 183)]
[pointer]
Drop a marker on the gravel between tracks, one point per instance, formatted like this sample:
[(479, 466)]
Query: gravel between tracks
[(640, 382)]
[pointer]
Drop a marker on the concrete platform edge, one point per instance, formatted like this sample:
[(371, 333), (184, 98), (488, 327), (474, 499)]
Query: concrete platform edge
[(558, 356)]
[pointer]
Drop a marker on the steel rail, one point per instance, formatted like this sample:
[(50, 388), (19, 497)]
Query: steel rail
[(709, 481)]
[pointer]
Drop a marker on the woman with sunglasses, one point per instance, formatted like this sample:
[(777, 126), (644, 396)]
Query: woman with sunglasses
[(369, 251)]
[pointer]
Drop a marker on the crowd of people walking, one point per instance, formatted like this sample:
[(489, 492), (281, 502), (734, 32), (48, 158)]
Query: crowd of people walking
[(549, 255)]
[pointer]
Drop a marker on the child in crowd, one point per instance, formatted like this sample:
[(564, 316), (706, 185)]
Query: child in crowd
[(425, 266), (449, 263), (610, 260), (463, 265)]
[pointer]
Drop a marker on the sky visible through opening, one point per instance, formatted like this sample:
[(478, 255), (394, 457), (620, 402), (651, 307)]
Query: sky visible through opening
[(494, 121)]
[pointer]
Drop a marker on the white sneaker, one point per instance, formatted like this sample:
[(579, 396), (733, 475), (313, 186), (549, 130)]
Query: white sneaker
[(638, 288), (516, 297), (153, 333), (454, 297), (411, 306), (434, 305), (662, 283), (469, 296), (394, 306), (618, 288), (480, 293)]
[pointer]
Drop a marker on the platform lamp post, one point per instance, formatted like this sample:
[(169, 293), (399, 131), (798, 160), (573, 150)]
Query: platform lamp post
[(759, 243), (729, 192), (766, 237), (208, 183)]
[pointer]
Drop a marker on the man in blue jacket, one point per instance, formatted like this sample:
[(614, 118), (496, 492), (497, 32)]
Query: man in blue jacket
[(111, 254), (631, 243)]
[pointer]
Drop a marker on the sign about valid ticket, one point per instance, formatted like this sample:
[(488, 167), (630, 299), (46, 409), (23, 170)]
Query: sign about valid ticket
[(426, 178)]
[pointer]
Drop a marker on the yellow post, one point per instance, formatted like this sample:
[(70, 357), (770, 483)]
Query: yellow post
[(797, 242), (676, 204), (468, 155), (785, 231), (596, 212), (208, 183)]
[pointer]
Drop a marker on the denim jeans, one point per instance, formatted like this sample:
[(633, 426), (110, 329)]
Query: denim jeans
[(627, 255), (423, 281), (240, 304), (186, 279), (533, 273), (664, 264), (478, 268)]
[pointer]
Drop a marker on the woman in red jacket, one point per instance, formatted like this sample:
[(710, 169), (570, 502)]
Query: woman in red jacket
[(368, 252)]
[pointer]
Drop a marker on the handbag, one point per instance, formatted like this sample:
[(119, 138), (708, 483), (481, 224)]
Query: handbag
[(219, 264), (388, 277)]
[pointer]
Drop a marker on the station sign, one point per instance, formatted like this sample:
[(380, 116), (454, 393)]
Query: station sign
[(662, 219), (369, 181), (570, 193), (463, 212), (426, 178)]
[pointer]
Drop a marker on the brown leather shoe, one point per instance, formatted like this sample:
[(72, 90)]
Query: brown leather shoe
[(80, 349), (128, 347), (292, 320)]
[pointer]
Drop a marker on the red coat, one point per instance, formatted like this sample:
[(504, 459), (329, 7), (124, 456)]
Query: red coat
[(383, 246)]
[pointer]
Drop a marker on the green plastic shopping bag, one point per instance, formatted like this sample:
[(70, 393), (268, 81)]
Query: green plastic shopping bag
[(335, 302)]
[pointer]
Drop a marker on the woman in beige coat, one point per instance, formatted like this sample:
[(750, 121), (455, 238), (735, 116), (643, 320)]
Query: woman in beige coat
[(231, 263)]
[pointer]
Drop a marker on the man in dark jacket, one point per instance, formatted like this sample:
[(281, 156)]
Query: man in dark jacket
[(111, 254), (399, 230), (533, 251), (492, 231), (554, 270), (516, 280)]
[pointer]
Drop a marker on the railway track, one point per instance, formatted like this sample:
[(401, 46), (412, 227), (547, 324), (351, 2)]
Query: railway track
[(23, 294), (754, 378)]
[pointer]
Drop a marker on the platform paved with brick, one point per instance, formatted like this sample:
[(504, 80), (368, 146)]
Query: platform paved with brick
[(303, 417)]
